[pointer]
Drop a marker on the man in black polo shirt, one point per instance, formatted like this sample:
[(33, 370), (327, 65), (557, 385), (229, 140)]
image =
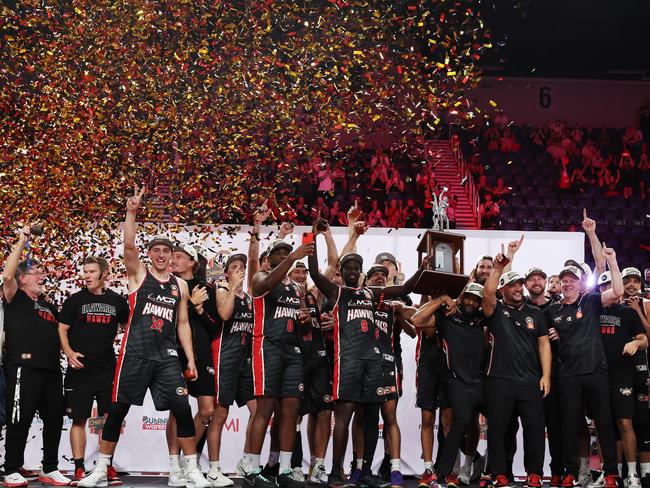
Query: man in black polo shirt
[(32, 366), (462, 335), (518, 372), (623, 336), (582, 367), (87, 328)]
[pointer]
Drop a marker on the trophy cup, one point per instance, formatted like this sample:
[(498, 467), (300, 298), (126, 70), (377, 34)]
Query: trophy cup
[(446, 250)]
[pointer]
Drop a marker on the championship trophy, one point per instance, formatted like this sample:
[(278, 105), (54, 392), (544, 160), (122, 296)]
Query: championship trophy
[(446, 252)]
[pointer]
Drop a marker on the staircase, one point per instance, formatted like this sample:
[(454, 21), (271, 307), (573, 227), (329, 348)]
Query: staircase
[(450, 171)]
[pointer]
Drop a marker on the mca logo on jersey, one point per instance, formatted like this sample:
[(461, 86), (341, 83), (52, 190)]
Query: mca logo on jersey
[(360, 303), (289, 301), (161, 299)]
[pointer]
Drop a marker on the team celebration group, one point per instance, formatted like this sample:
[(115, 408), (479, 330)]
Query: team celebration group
[(549, 352)]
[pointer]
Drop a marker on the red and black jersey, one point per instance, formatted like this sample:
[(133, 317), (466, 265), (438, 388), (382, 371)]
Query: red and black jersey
[(275, 317), (151, 331), (385, 326), (354, 323), (234, 335), (312, 343)]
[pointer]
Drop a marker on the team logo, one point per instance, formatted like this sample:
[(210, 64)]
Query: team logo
[(642, 398), (26, 356), (327, 398), (506, 313), (174, 289), (210, 370), (569, 319), (181, 391), (625, 391), (530, 323), (301, 387), (380, 391), (557, 320)]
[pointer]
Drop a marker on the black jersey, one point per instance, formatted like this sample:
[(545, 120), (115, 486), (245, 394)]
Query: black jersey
[(385, 326), (428, 350), (463, 341), (32, 337), (312, 343), (580, 348), (275, 317), (203, 326), (354, 323), (151, 331), (234, 336), (619, 325), (93, 321), (514, 334)]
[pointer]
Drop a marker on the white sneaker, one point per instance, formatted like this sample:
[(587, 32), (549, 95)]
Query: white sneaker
[(96, 478), (240, 469), (599, 483), (218, 479), (177, 478), (318, 475), (15, 479), (54, 478), (465, 473), (298, 475), (195, 479), (632, 481)]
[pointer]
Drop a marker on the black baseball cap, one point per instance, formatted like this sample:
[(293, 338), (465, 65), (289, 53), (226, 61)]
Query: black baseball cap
[(377, 268), (385, 256), (160, 240), (351, 257), (235, 257), (277, 245)]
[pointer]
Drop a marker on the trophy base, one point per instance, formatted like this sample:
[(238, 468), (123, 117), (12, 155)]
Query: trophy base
[(436, 283)]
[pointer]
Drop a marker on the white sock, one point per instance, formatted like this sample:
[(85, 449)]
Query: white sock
[(395, 465), (468, 462), (359, 463), (631, 469), (285, 462), (620, 469), (214, 466), (645, 469), (254, 462), (584, 465), (319, 462), (174, 462), (191, 462), (103, 461), (428, 465), (273, 458)]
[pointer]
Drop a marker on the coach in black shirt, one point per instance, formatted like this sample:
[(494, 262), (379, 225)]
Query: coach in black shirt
[(582, 367), (518, 372), (32, 366)]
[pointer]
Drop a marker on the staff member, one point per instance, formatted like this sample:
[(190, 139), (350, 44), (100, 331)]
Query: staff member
[(33, 369), (582, 369)]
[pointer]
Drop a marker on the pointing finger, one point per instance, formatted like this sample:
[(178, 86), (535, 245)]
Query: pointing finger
[(584, 213)]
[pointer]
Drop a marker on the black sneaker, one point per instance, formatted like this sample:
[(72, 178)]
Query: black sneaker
[(286, 480), (336, 480), (645, 481), (271, 471), (384, 469), (371, 481), (261, 481)]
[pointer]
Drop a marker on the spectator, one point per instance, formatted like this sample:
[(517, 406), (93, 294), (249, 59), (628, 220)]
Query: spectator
[(644, 172), (306, 183), (500, 192), (412, 214), (508, 142), (578, 180), (375, 217), (395, 187), (379, 159), (394, 216), (339, 177), (334, 213), (303, 214), (628, 179), (451, 211), (320, 210), (378, 180), (489, 213), (492, 139), (325, 182)]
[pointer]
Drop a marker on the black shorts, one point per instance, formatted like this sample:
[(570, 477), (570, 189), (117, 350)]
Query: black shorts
[(431, 384), (641, 412), (82, 387), (391, 374), (134, 375), (359, 380), (204, 383), (318, 384), (233, 379), (621, 399), (276, 372)]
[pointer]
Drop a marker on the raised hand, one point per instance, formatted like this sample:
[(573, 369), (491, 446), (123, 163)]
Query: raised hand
[(500, 260), (588, 225), (199, 295), (286, 228), (513, 246), (261, 213), (133, 202), (303, 250), (608, 253), (354, 213), (360, 228)]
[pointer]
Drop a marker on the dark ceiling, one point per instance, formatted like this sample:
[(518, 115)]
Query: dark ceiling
[(569, 38)]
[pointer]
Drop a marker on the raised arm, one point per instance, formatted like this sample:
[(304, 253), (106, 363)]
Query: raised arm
[(611, 296), (513, 247), (9, 285), (329, 289), (264, 282), (589, 226), (254, 245), (409, 285), (135, 270), (332, 254), (490, 290), (424, 317)]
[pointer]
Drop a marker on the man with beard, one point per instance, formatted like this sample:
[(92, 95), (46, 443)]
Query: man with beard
[(357, 365), (148, 358), (632, 296), (623, 336), (582, 370), (535, 285), (32, 366), (461, 331), (277, 361), (518, 374)]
